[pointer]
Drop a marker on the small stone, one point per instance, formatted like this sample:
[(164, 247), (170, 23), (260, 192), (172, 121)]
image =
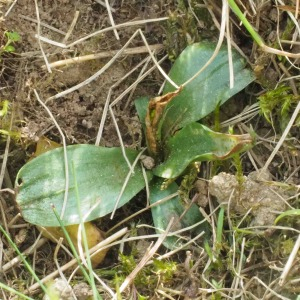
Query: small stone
[(59, 288), (87, 124), (255, 195), (148, 162)]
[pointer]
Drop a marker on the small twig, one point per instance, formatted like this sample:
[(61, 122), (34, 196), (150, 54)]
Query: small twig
[(253, 7), (1, 253), (104, 54), (294, 36), (290, 42), (7, 180), (50, 235), (293, 18), (3, 172), (146, 186), (101, 282), (6, 151), (108, 65), (238, 276)]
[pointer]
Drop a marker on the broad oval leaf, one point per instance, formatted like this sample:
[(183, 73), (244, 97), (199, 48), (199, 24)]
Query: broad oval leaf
[(195, 142), (211, 88), (173, 208), (100, 174)]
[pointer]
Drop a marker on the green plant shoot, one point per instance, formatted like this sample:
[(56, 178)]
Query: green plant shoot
[(174, 139)]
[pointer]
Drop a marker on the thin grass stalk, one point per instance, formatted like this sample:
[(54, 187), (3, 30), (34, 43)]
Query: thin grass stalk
[(27, 265)]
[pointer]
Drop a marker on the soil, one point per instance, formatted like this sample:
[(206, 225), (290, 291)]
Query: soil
[(79, 113)]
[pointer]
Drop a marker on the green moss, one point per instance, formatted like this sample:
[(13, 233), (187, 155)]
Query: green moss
[(277, 106), (164, 271)]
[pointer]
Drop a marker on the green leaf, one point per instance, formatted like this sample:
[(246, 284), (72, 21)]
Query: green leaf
[(195, 142), (100, 174), (201, 96), (12, 36), (9, 48), (173, 208)]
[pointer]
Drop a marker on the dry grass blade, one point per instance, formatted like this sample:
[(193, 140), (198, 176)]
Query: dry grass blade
[(4, 161), (39, 34), (71, 28), (10, 8), (131, 171), (106, 243), (42, 24), (288, 265), (283, 137), (16, 260), (66, 166), (104, 4), (111, 19), (104, 68), (219, 44)]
